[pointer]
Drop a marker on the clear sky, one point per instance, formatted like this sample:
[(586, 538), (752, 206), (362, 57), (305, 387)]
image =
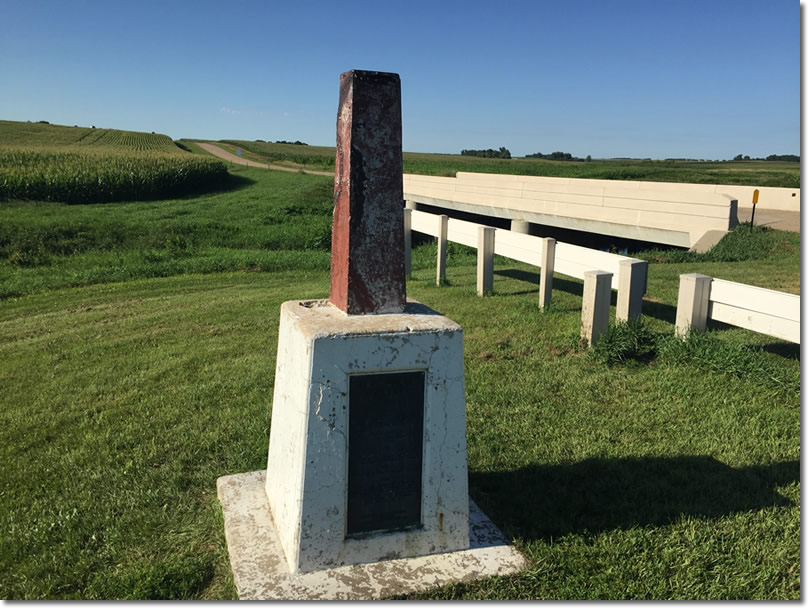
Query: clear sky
[(641, 78)]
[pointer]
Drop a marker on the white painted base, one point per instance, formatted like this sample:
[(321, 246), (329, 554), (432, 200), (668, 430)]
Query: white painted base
[(319, 349), (260, 570)]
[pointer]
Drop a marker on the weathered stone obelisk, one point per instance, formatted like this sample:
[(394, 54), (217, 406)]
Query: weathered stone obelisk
[(365, 491), (367, 246)]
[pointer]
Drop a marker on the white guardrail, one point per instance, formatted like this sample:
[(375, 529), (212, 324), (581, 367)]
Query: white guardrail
[(764, 311), (628, 275), (701, 297)]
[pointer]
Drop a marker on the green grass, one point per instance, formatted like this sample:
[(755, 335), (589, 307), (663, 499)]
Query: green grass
[(754, 173), (263, 222), (745, 242), (87, 165), (130, 381)]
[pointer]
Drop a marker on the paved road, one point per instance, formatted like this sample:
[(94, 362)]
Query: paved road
[(225, 155), (780, 220)]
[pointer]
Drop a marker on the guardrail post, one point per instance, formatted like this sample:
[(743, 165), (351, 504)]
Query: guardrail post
[(408, 242), (595, 310), (485, 260), (632, 281), (520, 226), (693, 303), (546, 276), (411, 205), (443, 239)]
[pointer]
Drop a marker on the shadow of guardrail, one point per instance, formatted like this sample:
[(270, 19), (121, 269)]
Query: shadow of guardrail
[(601, 494)]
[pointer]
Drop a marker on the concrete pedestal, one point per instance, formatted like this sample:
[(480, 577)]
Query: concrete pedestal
[(319, 349), (307, 502)]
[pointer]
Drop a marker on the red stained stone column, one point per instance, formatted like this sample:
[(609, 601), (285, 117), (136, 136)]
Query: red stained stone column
[(367, 244)]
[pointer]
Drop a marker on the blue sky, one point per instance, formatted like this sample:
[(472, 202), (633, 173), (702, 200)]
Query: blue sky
[(699, 79)]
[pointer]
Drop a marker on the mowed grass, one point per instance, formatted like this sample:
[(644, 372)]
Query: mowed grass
[(263, 222), (125, 396)]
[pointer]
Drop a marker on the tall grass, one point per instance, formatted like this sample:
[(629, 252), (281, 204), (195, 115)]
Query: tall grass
[(742, 243), (98, 165), (270, 221)]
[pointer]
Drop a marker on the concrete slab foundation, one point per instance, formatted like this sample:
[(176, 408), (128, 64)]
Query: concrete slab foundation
[(261, 572)]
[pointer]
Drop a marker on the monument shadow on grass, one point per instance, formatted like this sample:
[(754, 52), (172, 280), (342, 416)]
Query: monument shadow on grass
[(598, 494)]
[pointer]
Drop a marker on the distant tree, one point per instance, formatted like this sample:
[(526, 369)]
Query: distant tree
[(738, 157), (746, 157), (792, 158), (556, 156), (503, 152), (588, 158)]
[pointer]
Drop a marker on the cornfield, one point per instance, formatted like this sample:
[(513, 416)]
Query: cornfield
[(79, 165)]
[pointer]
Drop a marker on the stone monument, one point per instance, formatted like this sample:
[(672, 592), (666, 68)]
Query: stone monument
[(365, 493)]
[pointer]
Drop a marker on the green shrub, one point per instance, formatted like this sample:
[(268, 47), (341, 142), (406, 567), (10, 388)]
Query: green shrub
[(625, 342)]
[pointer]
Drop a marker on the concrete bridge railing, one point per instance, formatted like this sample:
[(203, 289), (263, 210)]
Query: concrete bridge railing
[(689, 217)]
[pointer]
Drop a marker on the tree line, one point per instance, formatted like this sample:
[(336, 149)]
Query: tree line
[(559, 156), (489, 153), (283, 141), (791, 158)]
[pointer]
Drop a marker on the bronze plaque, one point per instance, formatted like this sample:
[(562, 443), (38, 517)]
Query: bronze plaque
[(385, 444)]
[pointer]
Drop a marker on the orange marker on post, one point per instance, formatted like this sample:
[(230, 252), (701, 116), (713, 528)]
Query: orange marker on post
[(755, 196)]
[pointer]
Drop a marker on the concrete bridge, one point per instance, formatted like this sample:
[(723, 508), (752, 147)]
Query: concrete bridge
[(694, 216)]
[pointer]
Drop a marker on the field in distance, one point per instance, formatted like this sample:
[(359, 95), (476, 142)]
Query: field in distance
[(749, 173), (39, 161)]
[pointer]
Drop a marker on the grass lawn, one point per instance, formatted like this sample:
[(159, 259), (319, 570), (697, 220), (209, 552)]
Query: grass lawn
[(136, 367)]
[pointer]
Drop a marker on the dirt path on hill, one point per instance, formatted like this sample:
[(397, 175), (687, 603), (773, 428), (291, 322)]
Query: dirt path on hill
[(225, 155)]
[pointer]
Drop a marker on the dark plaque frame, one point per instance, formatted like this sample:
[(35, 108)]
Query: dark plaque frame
[(385, 451)]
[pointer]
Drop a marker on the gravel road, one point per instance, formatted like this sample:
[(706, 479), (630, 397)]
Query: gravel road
[(225, 155)]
